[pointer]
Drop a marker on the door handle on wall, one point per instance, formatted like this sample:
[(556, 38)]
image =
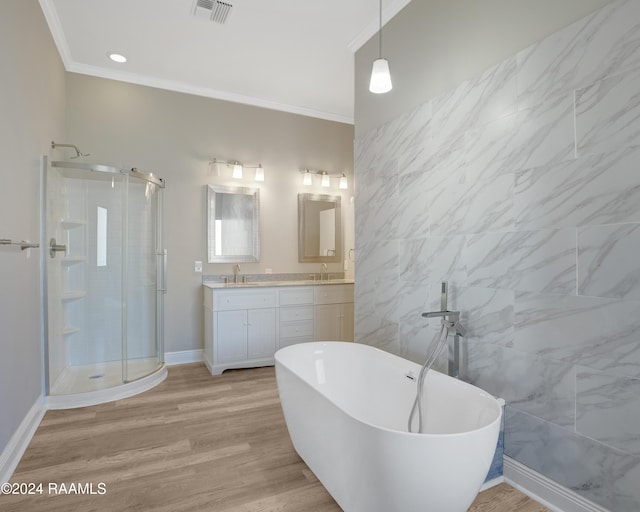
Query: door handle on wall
[(163, 253)]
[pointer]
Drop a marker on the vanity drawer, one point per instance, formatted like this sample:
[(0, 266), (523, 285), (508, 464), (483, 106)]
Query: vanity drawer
[(285, 342), (297, 295), (333, 293), (296, 329), (293, 313), (244, 299)]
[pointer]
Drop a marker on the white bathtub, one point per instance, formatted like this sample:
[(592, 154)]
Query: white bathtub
[(346, 406)]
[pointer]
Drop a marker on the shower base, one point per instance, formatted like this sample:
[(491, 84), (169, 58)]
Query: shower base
[(81, 386)]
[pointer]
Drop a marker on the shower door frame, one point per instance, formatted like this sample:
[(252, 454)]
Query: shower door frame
[(160, 261)]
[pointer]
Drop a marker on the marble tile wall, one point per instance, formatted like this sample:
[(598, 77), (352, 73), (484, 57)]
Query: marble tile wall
[(521, 188)]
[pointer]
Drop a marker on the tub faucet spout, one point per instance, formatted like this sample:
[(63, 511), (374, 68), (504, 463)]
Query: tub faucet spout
[(453, 316)]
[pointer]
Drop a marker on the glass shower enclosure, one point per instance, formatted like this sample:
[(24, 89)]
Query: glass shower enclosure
[(104, 278)]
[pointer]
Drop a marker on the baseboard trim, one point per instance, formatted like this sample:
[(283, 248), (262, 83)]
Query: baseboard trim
[(17, 445), (544, 490), (183, 357)]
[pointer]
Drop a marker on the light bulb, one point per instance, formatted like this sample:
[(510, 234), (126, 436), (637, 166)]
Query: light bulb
[(343, 182), (326, 181)]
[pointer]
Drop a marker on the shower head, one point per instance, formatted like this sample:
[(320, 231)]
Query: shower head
[(78, 152)]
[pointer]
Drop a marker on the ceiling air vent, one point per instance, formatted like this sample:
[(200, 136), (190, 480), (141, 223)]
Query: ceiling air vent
[(213, 10)]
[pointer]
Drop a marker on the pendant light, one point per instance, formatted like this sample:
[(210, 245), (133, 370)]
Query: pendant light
[(380, 76)]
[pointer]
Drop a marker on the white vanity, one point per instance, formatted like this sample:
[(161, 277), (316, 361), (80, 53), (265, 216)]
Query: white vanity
[(244, 324)]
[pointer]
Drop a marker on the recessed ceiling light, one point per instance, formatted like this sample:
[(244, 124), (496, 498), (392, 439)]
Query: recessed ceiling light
[(116, 57)]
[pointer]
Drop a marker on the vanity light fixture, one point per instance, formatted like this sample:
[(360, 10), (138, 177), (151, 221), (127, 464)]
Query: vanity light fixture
[(380, 76), (325, 178), (238, 169)]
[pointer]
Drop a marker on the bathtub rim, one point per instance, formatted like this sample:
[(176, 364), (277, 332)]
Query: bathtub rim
[(488, 426)]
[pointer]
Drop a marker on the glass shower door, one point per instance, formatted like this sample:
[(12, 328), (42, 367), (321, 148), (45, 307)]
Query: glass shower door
[(142, 344)]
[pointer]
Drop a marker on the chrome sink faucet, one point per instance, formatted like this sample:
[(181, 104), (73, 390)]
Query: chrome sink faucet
[(236, 271), (323, 271)]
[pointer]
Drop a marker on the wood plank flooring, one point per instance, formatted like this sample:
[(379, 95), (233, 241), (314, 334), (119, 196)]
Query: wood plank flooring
[(193, 443)]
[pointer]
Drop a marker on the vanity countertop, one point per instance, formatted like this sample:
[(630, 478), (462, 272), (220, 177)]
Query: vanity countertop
[(267, 284)]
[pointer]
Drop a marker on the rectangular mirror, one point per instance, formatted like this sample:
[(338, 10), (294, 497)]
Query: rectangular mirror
[(319, 228), (233, 224)]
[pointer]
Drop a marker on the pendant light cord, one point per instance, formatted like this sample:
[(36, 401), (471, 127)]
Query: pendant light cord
[(380, 33)]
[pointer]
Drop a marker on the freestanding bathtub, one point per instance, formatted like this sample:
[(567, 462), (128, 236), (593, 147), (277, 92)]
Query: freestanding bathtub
[(346, 406)]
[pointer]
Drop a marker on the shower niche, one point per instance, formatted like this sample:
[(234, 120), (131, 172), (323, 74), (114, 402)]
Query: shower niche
[(104, 275)]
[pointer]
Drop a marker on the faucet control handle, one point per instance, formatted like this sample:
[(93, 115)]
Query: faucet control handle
[(453, 316)]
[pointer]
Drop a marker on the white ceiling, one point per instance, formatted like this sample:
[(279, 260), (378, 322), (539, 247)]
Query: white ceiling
[(291, 55)]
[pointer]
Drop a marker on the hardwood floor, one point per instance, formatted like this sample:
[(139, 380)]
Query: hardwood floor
[(193, 443)]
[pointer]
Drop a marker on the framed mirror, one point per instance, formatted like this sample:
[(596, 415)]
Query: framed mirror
[(319, 228), (233, 224)]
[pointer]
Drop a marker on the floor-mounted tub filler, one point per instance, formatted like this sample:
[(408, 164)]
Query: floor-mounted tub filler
[(346, 407)]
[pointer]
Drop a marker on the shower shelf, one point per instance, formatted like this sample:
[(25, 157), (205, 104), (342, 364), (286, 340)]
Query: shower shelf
[(74, 295), (71, 260), (72, 223), (70, 330)]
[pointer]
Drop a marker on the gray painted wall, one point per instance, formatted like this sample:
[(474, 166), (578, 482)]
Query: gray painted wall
[(520, 188), (32, 104), (175, 136), (434, 45)]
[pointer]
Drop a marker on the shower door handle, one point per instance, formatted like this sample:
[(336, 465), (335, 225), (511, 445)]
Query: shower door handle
[(55, 247), (163, 253)]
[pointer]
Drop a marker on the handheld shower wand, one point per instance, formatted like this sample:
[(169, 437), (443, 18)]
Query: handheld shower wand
[(450, 325)]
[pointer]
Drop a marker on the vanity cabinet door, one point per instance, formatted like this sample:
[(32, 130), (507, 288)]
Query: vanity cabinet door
[(346, 321), (261, 333), (231, 339), (327, 322), (334, 322)]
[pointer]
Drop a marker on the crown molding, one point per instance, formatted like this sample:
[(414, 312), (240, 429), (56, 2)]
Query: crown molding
[(372, 28)]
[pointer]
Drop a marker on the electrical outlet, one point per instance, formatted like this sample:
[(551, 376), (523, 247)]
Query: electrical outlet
[(198, 266)]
